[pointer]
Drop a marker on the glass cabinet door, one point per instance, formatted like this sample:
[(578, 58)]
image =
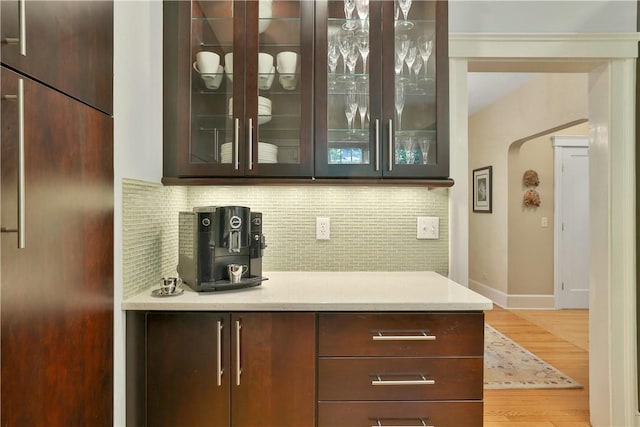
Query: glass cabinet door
[(217, 76), (279, 87), (412, 112), (251, 88), (380, 109), (348, 82)]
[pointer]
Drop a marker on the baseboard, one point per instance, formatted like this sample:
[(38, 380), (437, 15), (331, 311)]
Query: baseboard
[(504, 300)]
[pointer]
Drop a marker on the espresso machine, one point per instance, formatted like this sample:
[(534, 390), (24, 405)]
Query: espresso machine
[(220, 247)]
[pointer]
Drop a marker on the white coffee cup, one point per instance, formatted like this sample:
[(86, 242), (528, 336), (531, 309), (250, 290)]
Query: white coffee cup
[(264, 14), (287, 62), (207, 62), (265, 63), (213, 81), (228, 65)]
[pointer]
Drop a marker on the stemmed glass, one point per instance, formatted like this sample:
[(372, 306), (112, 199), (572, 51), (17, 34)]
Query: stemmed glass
[(417, 65), (349, 7), (345, 42), (362, 41), (425, 45), (402, 48), (411, 57), (333, 54), (351, 104), (363, 103), (425, 144), (352, 57), (399, 102), (404, 6), (362, 6)]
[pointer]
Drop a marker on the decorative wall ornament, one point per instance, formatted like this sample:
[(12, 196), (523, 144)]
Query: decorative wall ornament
[(530, 178), (531, 197)]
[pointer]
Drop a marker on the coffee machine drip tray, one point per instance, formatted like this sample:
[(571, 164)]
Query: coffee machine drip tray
[(223, 285)]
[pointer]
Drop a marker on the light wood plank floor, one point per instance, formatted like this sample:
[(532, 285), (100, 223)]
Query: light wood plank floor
[(559, 337)]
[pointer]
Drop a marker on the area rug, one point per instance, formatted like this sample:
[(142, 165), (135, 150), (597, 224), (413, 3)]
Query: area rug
[(508, 365)]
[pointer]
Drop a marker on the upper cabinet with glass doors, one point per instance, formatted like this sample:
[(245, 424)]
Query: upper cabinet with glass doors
[(382, 89), (238, 88)]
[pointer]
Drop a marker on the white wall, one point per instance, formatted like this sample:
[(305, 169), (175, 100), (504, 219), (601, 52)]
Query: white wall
[(137, 114)]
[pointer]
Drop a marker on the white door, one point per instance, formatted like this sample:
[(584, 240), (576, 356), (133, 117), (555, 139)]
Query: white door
[(572, 223)]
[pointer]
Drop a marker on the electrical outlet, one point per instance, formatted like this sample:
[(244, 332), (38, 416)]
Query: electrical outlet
[(428, 227), (323, 228)]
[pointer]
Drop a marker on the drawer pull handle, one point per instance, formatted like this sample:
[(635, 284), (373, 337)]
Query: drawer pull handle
[(219, 346), (422, 337), (420, 420), (421, 381)]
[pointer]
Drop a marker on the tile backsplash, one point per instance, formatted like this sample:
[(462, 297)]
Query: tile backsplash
[(372, 228)]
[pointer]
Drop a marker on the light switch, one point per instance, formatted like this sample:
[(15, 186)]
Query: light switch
[(428, 227), (544, 222)]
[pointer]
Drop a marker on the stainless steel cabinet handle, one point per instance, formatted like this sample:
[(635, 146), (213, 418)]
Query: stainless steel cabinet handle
[(236, 137), (391, 159), (22, 22), (420, 420), (238, 361), (250, 144), (219, 367), (421, 381), (21, 181), (421, 337), (377, 131)]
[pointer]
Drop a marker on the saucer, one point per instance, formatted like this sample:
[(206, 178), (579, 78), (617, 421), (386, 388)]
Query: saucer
[(158, 293)]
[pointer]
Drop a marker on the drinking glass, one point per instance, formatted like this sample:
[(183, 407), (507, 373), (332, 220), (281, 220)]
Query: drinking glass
[(362, 6), (352, 58), (398, 64), (411, 57), (399, 102), (349, 7), (425, 46), (402, 45), (417, 65), (404, 6), (345, 42), (333, 54), (425, 144), (351, 104), (362, 41), (363, 103)]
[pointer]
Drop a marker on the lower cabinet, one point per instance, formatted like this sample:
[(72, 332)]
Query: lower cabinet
[(230, 369), (391, 369), (279, 369)]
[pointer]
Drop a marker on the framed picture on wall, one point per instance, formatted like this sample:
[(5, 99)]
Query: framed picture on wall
[(482, 190)]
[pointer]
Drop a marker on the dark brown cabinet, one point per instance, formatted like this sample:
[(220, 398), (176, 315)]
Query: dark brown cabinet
[(402, 368), (56, 259), (64, 44), (230, 369), (345, 108), (381, 89), (238, 88)]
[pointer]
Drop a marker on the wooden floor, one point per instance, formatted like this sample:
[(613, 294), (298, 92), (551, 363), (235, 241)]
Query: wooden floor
[(560, 337)]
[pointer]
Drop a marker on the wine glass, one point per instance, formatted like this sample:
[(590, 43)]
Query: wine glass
[(352, 58), (398, 64), (345, 42), (362, 6), (349, 7), (362, 41), (417, 65), (425, 144), (404, 6), (333, 54), (425, 46), (399, 102), (363, 103), (402, 45), (351, 104), (411, 57)]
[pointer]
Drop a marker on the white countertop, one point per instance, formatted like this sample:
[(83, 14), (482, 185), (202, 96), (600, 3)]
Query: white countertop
[(326, 291)]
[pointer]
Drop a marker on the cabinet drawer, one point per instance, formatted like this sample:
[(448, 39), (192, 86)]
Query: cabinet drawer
[(401, 334), (384, 378), (368, 414)]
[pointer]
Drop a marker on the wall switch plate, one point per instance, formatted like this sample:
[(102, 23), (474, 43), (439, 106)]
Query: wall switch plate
[(544, 221), (323, 228), (428, 227)]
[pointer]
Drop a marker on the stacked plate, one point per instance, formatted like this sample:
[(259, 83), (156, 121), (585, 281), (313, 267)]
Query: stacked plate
[(267, 153), (264, 109)]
